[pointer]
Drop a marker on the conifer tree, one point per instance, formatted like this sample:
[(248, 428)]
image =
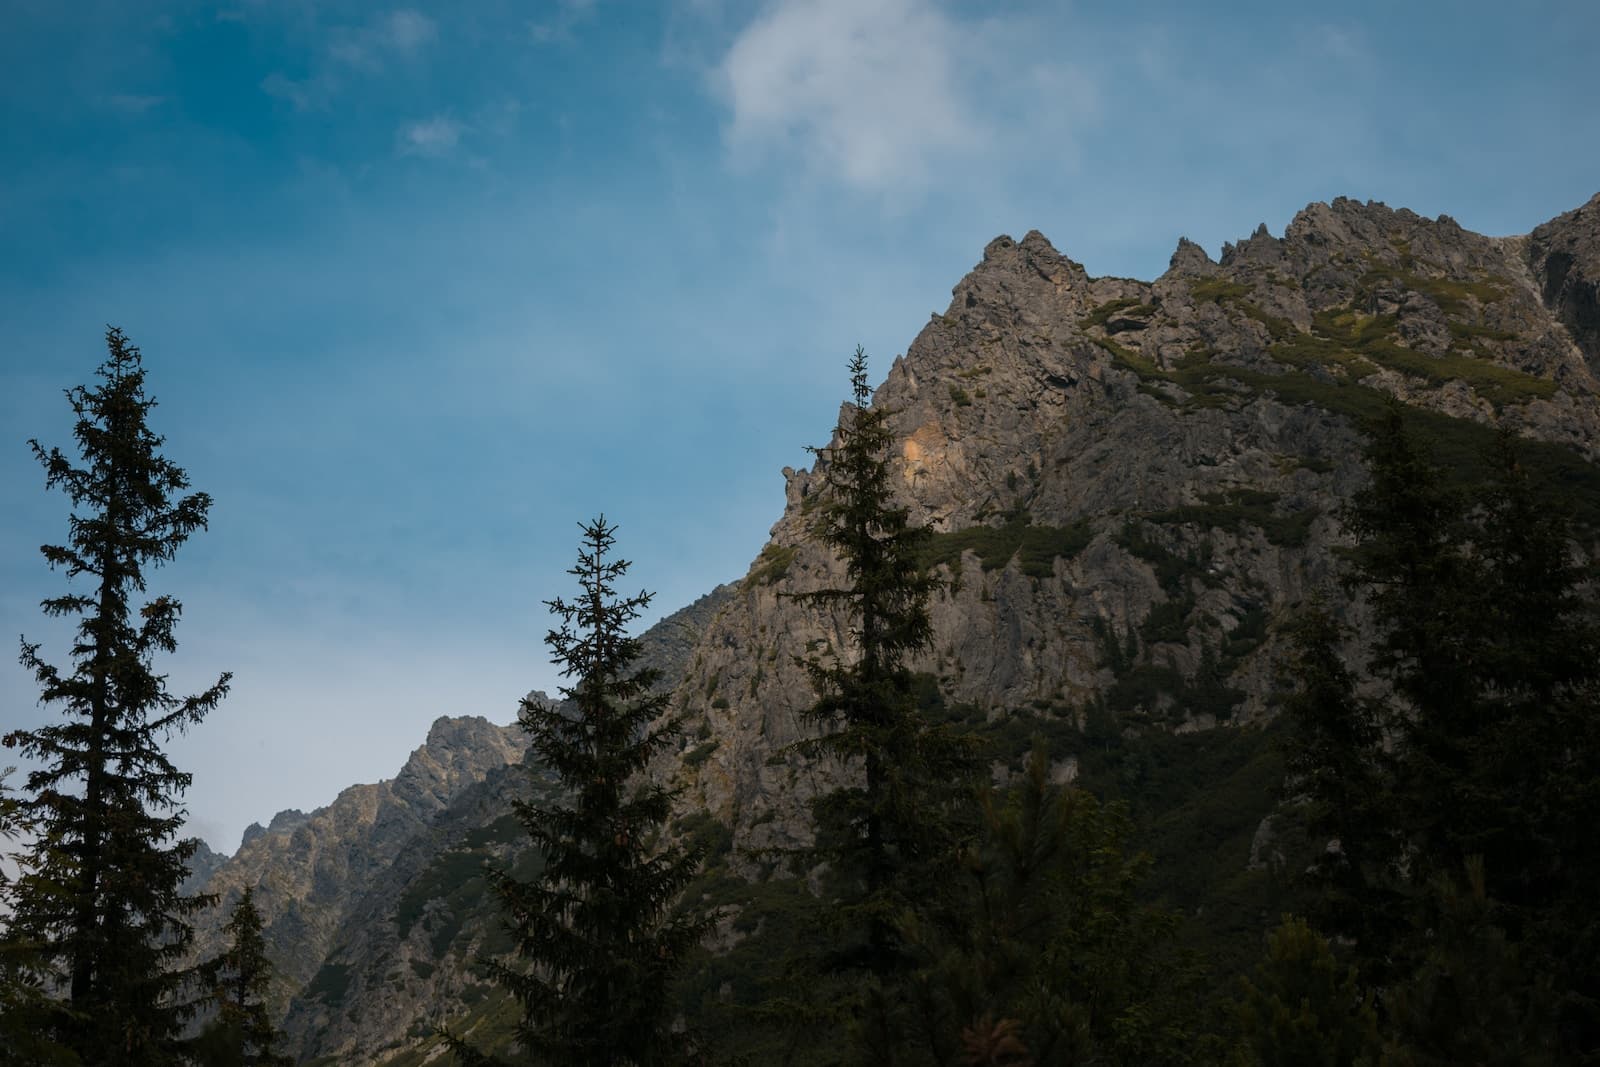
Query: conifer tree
[(1489, 641), (1413, 564), (1303, 1008), (242, 1034), (1048, 950), (1473, 998), (884, 837), (597, 944), (1535, 780), (1486, 636), (98, 895), (1335, 760), (24, 1001)]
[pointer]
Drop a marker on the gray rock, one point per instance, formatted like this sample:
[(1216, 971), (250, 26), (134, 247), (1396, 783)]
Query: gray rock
[(1134, 415), (1033, 391), (1565, 256), (1190, 258)]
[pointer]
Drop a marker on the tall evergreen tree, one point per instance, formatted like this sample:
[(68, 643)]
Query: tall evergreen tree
[(237, 982), (1489, 641), (1336, 761), (1535, 781), (1486, 635), (99, 891), (1413, 565), (597, 944), (24, 1001), (1302, 1008), (883, 837), (1048, 951)]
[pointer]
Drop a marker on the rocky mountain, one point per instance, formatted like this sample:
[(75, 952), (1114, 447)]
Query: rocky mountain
[(1133, 485), (357, 892), (205, 863), (309, 870)]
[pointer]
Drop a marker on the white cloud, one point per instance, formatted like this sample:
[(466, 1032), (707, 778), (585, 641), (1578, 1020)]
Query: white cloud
[(304, 95), (559, 26), (437, 136), (885, 94), (1345, 44), (365, 50), (401, 33), (133, 103), (864, 88), (406, 31)]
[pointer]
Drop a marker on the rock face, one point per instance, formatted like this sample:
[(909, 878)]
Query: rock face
[(365, 901), (202, 866), (309, 869), (1564, 255), (283, 822), (1132, 484), (1154, 464), (404, 952)]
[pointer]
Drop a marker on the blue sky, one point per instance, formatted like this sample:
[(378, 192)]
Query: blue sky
[(420, 287)]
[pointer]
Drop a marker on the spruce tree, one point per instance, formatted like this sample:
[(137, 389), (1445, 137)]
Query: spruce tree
[(1535, 780), (237, 983), (24, 1001), (1413, 564), (1488, 638), (1302, 1008), (597, 943), (883, 836), (1336, 763), (1478, 770), (1048, 950), (98, 895)]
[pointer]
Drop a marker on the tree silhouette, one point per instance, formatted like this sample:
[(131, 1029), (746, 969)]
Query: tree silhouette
[(238, 982), (98, 895), (883, 837), (596, 943)]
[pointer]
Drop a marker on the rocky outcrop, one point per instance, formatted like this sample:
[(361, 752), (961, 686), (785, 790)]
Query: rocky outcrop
[(377, 876), (1564, 255), (309, 869), (202, 866), (1152, 463), (405, 948), (283, 822), (1132, 485)]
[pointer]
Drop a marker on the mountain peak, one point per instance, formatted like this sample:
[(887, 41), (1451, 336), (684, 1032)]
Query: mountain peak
[(1190, 258)]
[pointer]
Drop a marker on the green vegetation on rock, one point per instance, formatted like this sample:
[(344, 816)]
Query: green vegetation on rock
[(772, 565), (1238, 508), (1035, 547), (1128, 306)]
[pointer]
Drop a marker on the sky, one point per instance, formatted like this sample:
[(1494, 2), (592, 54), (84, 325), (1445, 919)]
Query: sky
[(421, 287)]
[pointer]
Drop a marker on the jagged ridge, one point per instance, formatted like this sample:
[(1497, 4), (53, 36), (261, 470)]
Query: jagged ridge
[(1132, 482)]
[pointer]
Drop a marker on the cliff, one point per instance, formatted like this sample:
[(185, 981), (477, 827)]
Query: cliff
[(1133, 485)]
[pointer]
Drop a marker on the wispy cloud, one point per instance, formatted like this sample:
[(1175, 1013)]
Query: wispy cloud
[(133, 103), (434, 137), (306, 94), (1343, 43), (394, 38), (398, 34), (880, 93), (865, 88), (558, 27)]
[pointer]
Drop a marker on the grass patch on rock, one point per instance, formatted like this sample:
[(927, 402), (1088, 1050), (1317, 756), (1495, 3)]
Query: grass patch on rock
[(772, 565), (1035, 547)]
